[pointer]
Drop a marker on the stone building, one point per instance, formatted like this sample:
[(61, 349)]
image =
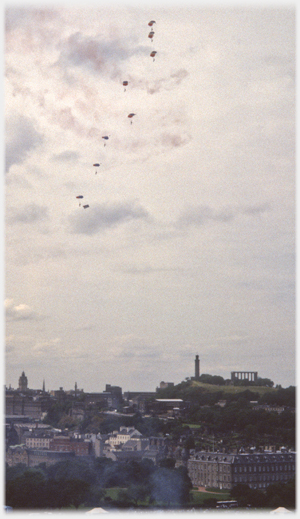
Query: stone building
[(33, 457), (16, 454), (23, 382), (67, 444), (258, 470), (38, 439)]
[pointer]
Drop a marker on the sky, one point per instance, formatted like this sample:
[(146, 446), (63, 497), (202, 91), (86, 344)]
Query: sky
[(188, 244)]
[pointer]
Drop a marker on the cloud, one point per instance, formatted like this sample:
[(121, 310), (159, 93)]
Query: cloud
[(96, 56), (21, 137), (30, 213), (173, 140), (18, 312), (200, 215), (65, 156), (166, 83), (101, 217)]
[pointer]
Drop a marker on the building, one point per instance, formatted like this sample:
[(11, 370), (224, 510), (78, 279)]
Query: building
[(258, 470), (16, 454), (164, 385), (38, 439), (68, 444), (122, 436), (251, 376), (23, 382), (167, 406)]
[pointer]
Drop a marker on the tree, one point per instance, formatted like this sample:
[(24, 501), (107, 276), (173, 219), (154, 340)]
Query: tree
[(170, 486), (27, 491), (168, 463), (75, 492), (138, 492)]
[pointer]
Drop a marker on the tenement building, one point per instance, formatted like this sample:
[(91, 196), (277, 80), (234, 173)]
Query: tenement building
[(224, 471)]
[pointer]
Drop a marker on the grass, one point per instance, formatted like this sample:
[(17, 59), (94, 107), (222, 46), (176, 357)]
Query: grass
[(192, 425), (113, 492), (200, 497)]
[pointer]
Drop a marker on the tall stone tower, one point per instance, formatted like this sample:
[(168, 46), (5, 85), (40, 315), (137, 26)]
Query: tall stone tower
[(197, 367), (23, 382)]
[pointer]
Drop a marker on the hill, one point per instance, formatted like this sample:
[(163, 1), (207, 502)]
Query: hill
[(204, 393)]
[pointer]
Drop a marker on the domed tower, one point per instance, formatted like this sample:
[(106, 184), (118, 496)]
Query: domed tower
[(23, 382)]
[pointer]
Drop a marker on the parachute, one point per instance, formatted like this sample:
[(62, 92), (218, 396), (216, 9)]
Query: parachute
[(130, 117), (85, 206), (152, 54), (150, 35), (79, 196), (97, 166), (151, 23), (106, 137), (125, 83)]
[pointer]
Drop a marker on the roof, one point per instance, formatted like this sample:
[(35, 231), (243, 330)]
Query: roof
[(168, 400), (260, 457)]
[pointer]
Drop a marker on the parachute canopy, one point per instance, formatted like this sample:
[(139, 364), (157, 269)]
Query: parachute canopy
[(79, 196), (105, 137), (97, 165), (131, 115), (151, 34), (151, 23), (152, 54), (125, 83), (85, 206)]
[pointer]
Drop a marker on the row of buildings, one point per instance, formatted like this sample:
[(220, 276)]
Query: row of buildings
[(47, 445), (205, 469)]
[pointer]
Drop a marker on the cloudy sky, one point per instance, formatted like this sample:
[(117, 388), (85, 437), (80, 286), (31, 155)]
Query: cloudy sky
[(187, 246)]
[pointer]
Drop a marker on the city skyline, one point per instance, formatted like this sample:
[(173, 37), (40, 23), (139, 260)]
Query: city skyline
[(188, 244)]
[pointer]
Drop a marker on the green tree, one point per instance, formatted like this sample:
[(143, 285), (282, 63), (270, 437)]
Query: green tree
[(137, 493), (27, 491), (170, 486), (75, 492)]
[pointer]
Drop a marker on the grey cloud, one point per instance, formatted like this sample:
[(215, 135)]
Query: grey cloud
[(200, 215), (20, 16), (66, 156), (30, 213), (174, 140), (167, 83), (179, 75), (203, 214), (147, 269), (21, 138), (256, 209), (88, 52), (101, 217)]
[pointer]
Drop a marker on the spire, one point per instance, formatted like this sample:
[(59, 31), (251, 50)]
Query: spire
[(44, 386)]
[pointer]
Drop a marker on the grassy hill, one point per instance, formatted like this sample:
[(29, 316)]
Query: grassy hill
[(209, 394), (211, 388)]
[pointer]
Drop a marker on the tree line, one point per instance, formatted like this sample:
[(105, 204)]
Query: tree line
[(75, 483)]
